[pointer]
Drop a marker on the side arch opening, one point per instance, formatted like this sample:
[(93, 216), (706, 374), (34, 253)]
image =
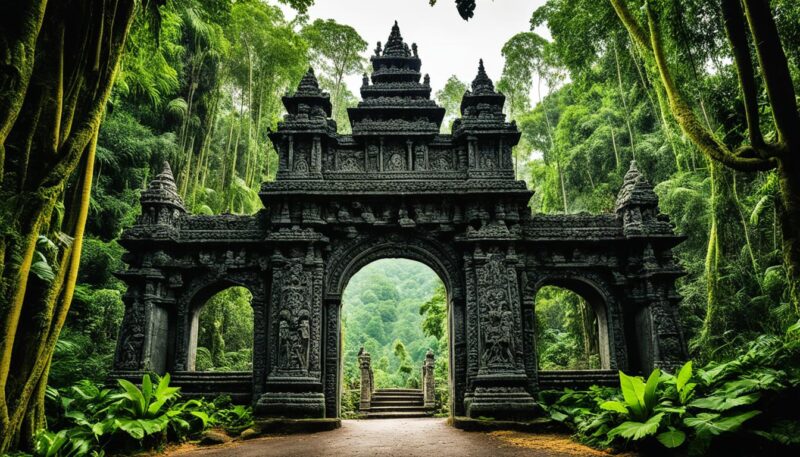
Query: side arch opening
[(571, 328), (220, 329)]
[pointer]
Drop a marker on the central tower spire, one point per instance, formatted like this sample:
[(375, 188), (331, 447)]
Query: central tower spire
[(394, 101)]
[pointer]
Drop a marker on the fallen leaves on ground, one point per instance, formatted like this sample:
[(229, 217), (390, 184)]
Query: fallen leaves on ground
[(550, 441)]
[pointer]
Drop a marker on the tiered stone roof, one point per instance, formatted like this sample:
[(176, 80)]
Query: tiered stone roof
[(396, 102), (308, 108), (163, 191), (482, 108), (636, 190)]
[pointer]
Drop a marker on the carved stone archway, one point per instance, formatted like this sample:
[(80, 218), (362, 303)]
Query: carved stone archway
[(348, 256), (396, 187)]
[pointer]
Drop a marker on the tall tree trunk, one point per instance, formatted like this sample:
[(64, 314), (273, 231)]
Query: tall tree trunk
[(74, 51), (712, 324)]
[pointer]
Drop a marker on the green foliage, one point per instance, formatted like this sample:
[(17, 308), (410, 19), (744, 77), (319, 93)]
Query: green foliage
[(225, 337), (724, 405), (89, 419), (389, 308), (435, 314), (566, 330), (449, 98)]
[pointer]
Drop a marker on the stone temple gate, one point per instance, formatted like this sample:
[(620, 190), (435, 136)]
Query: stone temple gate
[(396, 188)]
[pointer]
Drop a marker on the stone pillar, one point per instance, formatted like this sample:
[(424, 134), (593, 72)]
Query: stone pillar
[(428, 383), (365, 362), (499, 387), (294, 383)]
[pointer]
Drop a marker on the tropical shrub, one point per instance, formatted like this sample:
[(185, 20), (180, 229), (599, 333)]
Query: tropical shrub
[(88, 419), (749, 402)]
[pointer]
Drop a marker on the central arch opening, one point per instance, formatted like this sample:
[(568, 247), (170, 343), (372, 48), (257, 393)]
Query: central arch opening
[(396, 310)]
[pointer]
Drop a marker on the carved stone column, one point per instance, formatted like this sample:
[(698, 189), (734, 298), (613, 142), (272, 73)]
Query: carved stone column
[(500, 383), (428, 383), (365, 363), (294, 385)]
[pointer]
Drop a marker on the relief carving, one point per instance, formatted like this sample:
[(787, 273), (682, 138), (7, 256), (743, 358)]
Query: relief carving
[(294, 319)]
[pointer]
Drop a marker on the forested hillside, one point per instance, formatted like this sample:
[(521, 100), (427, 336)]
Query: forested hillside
[(381, 311)]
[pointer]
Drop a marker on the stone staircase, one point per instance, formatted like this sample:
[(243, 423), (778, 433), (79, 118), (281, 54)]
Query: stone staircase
[(397, 403)]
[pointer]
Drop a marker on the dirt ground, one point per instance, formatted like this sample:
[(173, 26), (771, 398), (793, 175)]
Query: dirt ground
[(429, 437)]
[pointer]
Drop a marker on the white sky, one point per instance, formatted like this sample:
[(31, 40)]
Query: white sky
[(447, 44)]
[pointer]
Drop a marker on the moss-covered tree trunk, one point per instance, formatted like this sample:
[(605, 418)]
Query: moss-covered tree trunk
[(749, 24), (64, 59)]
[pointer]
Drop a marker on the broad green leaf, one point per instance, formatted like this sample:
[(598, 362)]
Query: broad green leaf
[(687, 392), (631, 387), (670, 409), (614, 406), (202, 416), (715, 424), (723, 403), (134, 395), (649, 397), (672, 438), (637, 430), (132, 427), (147, 389), (684, 375)]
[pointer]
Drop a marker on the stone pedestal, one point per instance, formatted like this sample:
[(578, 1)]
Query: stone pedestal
[(367, 383), (291, 404), (428, 383)]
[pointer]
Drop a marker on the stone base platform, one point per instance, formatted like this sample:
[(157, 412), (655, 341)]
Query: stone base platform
[(541, 424), (291, 426)]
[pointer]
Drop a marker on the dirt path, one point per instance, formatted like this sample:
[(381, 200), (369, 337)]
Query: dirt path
[(400, 437)]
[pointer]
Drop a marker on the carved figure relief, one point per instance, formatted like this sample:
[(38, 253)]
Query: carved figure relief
[(396, 163), (497, 323), (294, 320), (440, 160), (301, 165), (132, 337), (488, 158)]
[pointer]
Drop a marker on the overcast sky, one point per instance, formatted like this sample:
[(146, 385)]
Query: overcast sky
[(447, 44)]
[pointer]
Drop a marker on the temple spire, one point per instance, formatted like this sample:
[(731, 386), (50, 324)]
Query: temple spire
[(308, 84), (482, 85), (395, 46), (162, 191)]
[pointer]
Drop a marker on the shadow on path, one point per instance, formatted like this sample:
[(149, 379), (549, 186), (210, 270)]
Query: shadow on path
[(429, 437)]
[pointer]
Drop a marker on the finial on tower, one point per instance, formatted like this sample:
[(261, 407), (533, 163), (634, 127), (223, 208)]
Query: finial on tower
[(308, 84), (395, 46), (482, 85)]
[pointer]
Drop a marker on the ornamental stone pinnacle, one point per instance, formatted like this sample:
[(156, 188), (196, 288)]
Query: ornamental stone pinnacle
[(482, 85), (162, 190)]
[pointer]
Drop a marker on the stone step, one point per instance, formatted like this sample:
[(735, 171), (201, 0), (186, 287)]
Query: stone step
[(577, 379), (237, 398), (397, 414), (396, 396), (396, 403), (397, 408), (399, 390)]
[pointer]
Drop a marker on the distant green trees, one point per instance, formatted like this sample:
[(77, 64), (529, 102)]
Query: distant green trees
[(225, 336), (449, 98), (566, 331), (381, 312)]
